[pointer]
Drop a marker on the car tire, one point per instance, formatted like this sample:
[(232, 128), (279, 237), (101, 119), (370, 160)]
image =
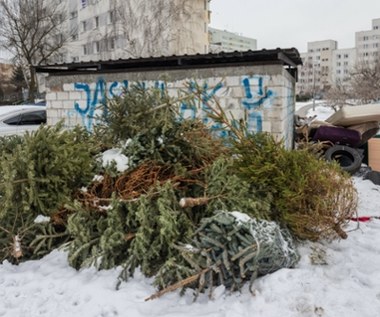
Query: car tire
[(347, 157)]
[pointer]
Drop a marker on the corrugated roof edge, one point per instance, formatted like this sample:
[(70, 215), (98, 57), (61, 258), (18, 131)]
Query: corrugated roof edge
[(289, 57)]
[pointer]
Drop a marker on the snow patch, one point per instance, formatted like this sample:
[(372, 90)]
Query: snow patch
[(240, 217), (98, 178), (116, 155), (41, 219)]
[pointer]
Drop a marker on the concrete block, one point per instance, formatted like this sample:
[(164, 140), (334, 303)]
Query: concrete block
[(62, 96), (273, 115), (69, 104), (55, 104), (68, 87), (51, 96), (279, 127), (233, 104), (53, 113), (213, 81), (267, 126), (75, 95), (233, 81), (236, 92)]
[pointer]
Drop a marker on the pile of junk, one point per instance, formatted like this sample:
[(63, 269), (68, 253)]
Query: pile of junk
[(343, 135)]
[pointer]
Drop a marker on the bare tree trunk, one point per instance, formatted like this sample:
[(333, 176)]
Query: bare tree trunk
[(32, 85)]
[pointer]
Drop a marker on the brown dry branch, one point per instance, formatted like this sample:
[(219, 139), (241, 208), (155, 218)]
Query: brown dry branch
[(16, 247), (187, 202), (178, 285), (131, 185), (141, 179), (129, 236), (59, 218)]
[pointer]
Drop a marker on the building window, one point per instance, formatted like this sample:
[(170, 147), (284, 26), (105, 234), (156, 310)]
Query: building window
[(338, 56), (73, 14), (111, 16), (96, 47), (84, 26), (112, 43), (96, 22), (85, 51), (74, 37)]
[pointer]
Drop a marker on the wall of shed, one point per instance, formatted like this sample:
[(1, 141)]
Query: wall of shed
[(262, 94)]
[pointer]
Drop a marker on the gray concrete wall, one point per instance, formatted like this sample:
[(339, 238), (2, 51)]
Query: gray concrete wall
[(264, 95)]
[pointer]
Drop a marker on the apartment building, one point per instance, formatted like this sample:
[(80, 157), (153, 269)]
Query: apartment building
[(343, 62), (325, 65), (113, 29), (367, 43), (224, 41), (315, 75)]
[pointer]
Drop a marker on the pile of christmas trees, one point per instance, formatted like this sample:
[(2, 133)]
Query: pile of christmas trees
[(191, 209)]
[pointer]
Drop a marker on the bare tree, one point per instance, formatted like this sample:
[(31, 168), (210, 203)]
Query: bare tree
[(362, 87), (339, 95), (365, 81), (148, 30), (34, 32)]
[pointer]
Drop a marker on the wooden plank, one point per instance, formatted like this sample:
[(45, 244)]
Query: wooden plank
[(374, 154)]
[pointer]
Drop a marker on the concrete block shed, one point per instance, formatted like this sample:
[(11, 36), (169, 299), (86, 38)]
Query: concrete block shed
[(256, 85)]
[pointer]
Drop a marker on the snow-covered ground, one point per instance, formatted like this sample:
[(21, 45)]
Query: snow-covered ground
[(338, 279), (331, 280)]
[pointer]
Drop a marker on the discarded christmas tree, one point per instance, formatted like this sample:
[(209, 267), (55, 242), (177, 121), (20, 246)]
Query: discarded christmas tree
[(37, 177)]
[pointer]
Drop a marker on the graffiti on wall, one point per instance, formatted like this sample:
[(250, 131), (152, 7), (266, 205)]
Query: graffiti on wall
[(254, 99)]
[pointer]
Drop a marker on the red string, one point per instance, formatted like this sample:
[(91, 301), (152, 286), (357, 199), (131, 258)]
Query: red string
[(364, 218)]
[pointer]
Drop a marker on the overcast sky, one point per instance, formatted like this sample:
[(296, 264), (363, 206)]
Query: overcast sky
[(293, 23)]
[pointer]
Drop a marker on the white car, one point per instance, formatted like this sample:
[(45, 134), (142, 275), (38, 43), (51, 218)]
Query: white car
[(20, 119)]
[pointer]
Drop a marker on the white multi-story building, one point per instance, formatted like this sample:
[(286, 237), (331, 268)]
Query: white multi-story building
[(343, 62), (325, 65), (113, 29), (368, 43), (224, 41), (315, 75)]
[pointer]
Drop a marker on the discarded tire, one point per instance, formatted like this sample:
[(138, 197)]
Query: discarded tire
[(348, 158)]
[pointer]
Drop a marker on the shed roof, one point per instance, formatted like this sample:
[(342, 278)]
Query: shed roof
[(287, 57)]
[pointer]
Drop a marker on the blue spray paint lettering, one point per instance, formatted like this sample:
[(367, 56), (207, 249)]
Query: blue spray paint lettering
[(88, 113), (117, 89), (254, 101), (257, 97), (206, 94)]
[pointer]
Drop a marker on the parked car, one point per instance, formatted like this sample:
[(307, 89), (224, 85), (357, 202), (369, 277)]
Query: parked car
[(20, 119)]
